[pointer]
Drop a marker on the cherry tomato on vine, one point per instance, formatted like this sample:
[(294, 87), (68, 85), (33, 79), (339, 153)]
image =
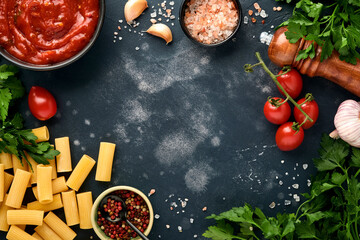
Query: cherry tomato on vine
[(288, 137), (41, 103), (311, 108), (276, 113), (292, 83)]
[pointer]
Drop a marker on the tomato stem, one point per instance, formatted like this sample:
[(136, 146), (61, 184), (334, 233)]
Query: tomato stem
[(273, 77)]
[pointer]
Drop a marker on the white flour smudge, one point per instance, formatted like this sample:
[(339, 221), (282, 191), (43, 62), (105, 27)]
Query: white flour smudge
[(198, 177), (175, 147), (215, 141), (179, 66), (134, 112), (121, 132), (76, 142), (87, 122)]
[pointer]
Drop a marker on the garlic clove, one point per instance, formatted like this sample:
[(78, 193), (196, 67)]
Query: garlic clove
[(162, 31), (134, 8)]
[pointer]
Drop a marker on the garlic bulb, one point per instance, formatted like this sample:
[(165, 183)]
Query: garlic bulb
[(347, 122), (134, 8), (162, 31)]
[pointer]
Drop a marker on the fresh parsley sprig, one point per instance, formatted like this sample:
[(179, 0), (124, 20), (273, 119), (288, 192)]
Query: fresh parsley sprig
[(331, 210), (332, 24), (14, 139)]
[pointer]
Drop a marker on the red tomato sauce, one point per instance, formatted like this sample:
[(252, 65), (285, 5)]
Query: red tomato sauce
[(47, 31)]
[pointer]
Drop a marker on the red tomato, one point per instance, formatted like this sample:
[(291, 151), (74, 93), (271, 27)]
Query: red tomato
[(274, 114), (311, 108), (287, 138), (41, 103), (292, 83)]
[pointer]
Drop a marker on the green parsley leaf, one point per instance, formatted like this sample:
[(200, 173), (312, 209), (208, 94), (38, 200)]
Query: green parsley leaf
[(5, 98)]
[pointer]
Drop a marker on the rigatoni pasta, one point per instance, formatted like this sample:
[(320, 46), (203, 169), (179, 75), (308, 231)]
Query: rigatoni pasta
[(8, 180), (15, 233), (33, 171), (4, 226), (18, 188), (25, 217), (59, 227), (70, 208), (80, 172), (85, 203), (46, 232), (52, 163), (5, 158), (63, 160), (42, 134), (17, 164), (44, 184), (105, 162), (2, 182), (58, 185), (37, 236), (55, 204)]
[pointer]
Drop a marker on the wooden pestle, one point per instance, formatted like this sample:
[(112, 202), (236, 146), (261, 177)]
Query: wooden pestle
[(283, 53)]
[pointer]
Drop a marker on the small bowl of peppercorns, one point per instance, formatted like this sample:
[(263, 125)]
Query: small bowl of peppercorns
[(139, 212)]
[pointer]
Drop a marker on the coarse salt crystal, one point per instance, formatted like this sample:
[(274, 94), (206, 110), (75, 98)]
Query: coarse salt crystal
[(272, 205), (157, 216), (152, 191), (287, 202), (180, 228), (167, 226), (305, 166), (246, 20), (191, 220)]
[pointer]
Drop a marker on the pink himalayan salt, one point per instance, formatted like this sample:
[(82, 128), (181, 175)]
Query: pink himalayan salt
[(211, 21)]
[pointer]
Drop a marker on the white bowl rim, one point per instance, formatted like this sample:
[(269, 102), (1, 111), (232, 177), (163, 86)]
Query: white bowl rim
[(95, 206)]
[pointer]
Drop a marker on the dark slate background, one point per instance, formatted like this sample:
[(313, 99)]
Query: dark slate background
[(186, 119)]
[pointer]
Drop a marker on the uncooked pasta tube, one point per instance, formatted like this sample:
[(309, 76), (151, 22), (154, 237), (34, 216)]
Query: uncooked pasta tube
[(23, 165), (8, 178), (15, 233), (2, 182), (55, 204), (37, 236), (63, 160), (5, 158), (18, 188), (32, 169), (46, 232), (80, 172), (70, 208), (58, 185), (25, 217), (4, 226), (59, 227), (44, 184), (105, 162), (42, 134), (85, 203)]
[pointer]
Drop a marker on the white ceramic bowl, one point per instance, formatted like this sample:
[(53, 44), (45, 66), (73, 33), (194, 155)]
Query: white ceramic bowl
[(95, 207)]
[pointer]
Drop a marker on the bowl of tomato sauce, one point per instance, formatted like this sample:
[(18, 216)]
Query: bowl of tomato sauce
[(45, 35)]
